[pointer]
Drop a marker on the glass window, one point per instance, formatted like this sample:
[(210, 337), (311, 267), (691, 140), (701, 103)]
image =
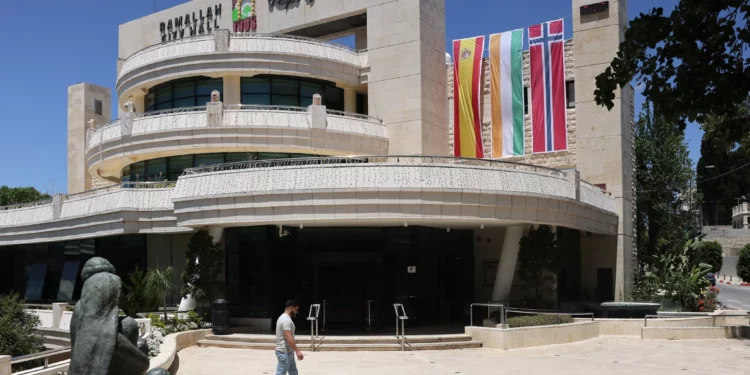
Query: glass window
[(257, 99), (150, 101), (138, 172), (185, 102), (177, 164), (308, 89), (35, 282), (271, 156), (185, 89), (238, 156), (68, 280), (525, 100), (188, 92), (126, 174), (156, 170), (208, 159), (305, 102), (570, 88), (205, 87), (285, 100), (334, 98), (285, 86), (256, 85)]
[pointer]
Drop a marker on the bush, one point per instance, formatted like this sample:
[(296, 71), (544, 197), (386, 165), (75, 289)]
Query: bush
[(539, 320), (138, 295), (17, 335), (743, 264), (709, 252)]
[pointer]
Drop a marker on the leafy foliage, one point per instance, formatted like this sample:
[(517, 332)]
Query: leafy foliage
[(538, 320), (205, 261), (709, 252), (17, 335), (663, 176), (178, 323), (160, 281), (18, 195), (691, 63), (138, 295), (707, 302), (539, 258), (743, 264)]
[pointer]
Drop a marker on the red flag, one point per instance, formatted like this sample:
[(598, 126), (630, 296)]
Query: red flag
[(549, 117)]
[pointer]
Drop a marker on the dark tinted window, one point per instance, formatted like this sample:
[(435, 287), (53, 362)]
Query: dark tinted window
[(291, 91), (181, 93)]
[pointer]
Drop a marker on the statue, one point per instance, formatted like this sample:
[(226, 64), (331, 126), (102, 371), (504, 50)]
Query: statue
[(102, 342), (317, 99), (215, 96)]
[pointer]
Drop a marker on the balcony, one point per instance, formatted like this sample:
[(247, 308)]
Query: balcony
[(231, 128), (224, 53), (390, 190), (117, 209)]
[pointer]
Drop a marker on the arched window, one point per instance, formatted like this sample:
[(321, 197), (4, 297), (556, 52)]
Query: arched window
[(291, 91)]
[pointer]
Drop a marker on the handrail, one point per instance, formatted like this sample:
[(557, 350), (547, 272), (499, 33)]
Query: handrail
[(42, 355), (26, 205), (263, 107), (334, 112), (314, 328), (300, 38), (124, 185), (471, 311), (398, 159), (186, 39), (403, 318), (696, 315), (544, 312)]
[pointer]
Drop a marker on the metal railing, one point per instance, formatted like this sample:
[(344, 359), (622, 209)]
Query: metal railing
[(262, 107), (378, 159), (360, 116), (672, 316), (488, 305), (26, 205), (314, 328), (401, 316), (186, 39), (298, 38), (37, 356), (124, 185)]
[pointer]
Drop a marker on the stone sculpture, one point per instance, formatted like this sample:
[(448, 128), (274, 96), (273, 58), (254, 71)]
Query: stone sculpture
[(102, 342)]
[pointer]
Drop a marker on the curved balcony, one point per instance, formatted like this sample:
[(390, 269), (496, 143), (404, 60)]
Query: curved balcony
[(224, 53), (132, 208), (390, 190), (231, 128)]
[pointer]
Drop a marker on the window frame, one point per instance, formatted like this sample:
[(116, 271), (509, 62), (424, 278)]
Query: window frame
[(274, 97), (156, 97)]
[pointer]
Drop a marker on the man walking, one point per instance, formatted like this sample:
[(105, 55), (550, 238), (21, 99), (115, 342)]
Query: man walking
[(286, 346)]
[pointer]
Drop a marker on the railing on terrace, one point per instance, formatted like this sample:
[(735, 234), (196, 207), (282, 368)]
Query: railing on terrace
[(360, 116), (123, 185), (390, 159), (26, 205), (298, 38), (45, 355), (170, 111), (260, 107), (186, 39)]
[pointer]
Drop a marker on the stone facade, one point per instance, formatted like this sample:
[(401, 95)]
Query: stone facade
[(559, 160), (88, 105)]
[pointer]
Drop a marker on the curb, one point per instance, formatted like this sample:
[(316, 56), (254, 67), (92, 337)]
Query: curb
[(745, 284), (721, 281)]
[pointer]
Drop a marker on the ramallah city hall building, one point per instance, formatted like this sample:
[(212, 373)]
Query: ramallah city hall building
[(346, 174)]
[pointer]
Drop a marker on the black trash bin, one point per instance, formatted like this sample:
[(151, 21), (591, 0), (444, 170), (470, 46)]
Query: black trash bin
[(220, 317)]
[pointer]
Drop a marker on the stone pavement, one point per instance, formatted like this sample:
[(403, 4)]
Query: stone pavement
[(603, 355)]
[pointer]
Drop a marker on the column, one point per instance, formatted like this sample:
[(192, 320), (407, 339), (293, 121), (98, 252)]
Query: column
[(350, 99), (139, 102), (507, 267), (360, 38), (232, 90)]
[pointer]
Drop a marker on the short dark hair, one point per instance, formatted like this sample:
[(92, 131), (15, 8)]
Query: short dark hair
[(291, 303)]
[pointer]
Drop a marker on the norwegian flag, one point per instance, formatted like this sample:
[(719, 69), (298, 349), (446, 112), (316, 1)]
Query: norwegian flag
[(548, 107)]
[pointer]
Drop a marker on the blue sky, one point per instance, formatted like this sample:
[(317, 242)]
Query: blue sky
[(45, 52)]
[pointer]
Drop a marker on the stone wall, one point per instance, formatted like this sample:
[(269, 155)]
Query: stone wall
[(560, 160)]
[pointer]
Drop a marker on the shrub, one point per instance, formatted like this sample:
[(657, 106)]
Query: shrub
[(17, 335), (201, 278), (743, 264), (709, 252), (138, 295), (539, 320), (707, 301)]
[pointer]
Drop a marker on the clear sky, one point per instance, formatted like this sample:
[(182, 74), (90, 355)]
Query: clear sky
[(45, 51)]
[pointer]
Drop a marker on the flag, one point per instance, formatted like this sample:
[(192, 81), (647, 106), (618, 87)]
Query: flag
[(467, 74), (548, 108), (506, 83)]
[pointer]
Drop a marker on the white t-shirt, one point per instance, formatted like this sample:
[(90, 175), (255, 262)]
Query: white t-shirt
[(284, 323)]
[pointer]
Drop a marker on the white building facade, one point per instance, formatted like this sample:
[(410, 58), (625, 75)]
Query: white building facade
[(328, 163)]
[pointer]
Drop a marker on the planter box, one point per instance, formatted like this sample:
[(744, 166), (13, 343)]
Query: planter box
[(526, 337)]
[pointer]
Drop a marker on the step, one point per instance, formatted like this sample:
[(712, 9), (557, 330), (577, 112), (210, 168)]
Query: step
[(305, 340), (324, 347)]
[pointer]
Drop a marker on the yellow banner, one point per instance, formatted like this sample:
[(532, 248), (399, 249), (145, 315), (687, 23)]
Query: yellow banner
[(467, 74)]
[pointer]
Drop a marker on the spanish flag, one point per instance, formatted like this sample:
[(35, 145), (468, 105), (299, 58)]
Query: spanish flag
[(467, 86)]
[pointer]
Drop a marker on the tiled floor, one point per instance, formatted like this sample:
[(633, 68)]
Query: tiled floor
[(603, 355)]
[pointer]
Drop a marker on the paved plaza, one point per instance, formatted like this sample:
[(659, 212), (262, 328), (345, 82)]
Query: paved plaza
[(603, 355)]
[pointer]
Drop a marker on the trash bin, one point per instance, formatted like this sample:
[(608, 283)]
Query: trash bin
[(220, 317)]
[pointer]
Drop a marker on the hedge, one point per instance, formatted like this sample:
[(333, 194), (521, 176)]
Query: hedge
[(538, 320)]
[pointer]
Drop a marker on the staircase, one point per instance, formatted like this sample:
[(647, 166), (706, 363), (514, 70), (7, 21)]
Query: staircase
[(344, 343)]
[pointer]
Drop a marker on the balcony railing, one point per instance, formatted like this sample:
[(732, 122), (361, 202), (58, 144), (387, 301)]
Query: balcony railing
[(299, 38)]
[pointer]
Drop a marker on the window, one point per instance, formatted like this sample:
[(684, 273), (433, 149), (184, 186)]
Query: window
[(177, 164), (362, 104), (204, 160), (291, 91), (526, 100), (98, 109), (181, 93), (570, 89)]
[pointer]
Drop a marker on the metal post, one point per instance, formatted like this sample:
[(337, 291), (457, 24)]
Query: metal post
[(324, 314), (46, 362), (471, 315)]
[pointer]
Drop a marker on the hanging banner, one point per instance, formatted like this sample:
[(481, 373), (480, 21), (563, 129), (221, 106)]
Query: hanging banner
[(467, 86), (506, 86), (548, 107)]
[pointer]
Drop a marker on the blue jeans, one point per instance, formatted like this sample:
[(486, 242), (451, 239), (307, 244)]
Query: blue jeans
[(287, 363)]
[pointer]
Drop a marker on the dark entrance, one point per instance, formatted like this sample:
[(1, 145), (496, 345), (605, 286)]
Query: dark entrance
[(429, 270)]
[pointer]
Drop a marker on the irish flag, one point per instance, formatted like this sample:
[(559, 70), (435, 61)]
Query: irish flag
[(467, 73), (506, 86)]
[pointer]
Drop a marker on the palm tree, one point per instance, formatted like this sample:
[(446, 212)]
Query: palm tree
[(161, 282)]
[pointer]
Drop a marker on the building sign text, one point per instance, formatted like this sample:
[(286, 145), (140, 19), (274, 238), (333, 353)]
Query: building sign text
[(243, 16), (190, 25)]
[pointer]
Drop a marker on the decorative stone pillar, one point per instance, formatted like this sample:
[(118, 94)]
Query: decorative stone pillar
[(126, 119), (221, 40), (57, 313), (215, 110), (575, 179), (350, 99), (506, 269), (318, 114), (232, 90), (5, 368)]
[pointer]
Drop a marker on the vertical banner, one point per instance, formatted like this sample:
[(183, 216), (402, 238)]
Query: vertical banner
[(506, 83), (548, 107), (467, 86)]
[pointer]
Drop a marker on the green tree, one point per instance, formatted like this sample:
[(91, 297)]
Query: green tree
[(161, 282), (743, 264), (710, 253), (205, 261), (18, 195), (17, 328), (663, 177), (691, 62), (539, 258), (138, 296)]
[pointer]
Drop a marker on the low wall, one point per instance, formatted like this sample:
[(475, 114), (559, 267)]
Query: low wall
[(174, 343), (259, 324), (525, 337), (617, 327), (695, 333)]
